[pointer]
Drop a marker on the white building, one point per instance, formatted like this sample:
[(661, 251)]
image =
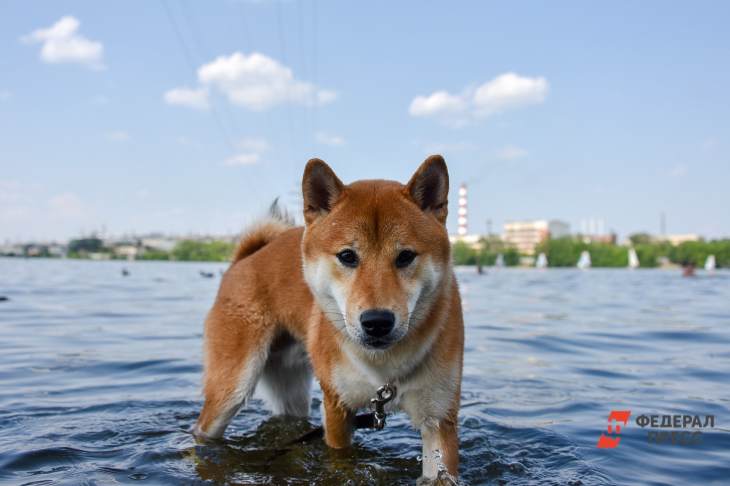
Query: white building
[(127, 251), (526, 235), (474, 241), (161, 243), (680, 238)]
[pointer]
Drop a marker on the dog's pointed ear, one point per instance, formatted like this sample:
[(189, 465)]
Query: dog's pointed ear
[(429, 187), (320, 189)]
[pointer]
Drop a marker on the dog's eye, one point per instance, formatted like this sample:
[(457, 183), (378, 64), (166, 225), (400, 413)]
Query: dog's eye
[(405, 258), (348, 258)]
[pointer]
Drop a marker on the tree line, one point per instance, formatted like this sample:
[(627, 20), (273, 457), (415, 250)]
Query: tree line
[(184, 251), (565, 252), (560, 252)]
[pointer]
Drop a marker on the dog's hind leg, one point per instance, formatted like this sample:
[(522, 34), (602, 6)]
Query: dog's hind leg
[(236, 350), (286, 381)]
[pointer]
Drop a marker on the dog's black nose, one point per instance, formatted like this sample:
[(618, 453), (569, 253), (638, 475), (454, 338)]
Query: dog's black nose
[(377, 323)]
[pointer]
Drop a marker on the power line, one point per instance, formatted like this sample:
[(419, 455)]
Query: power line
[(249, 41), (315, 32), (284, 60), (202, 49), (191, 64), (304, 49)]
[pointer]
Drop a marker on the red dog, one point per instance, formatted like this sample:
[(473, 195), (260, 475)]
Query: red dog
[(363, 295)]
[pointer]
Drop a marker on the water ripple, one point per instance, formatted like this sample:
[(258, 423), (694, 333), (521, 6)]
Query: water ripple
[(101, 381)]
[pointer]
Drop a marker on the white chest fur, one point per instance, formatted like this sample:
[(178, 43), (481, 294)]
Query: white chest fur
[(424, 388)]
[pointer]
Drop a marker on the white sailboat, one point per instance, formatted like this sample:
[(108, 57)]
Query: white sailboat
[(499, 262), (542, 261), (633, 258), (584, 262), (710, 263)]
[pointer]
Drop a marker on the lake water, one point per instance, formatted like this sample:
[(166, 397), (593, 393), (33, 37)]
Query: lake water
[(100, 379)]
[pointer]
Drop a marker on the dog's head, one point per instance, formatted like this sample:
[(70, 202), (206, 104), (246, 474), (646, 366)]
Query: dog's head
[(375, 252)]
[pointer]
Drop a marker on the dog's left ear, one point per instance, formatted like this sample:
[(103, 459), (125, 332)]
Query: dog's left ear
[(320, 189), (429, 187)]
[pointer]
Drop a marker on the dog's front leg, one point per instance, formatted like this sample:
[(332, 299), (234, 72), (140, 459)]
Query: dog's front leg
[(440, 447), (338, 421)]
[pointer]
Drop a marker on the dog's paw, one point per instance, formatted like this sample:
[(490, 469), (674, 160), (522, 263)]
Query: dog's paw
[(200, 436), (443, 479)]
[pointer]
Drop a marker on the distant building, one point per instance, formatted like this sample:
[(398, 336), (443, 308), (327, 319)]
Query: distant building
[(607, 238), (12, 250), (128, 251), (474, 241), (160, 243), (35, 250), (679, 239), (56, 250), (526, 235)]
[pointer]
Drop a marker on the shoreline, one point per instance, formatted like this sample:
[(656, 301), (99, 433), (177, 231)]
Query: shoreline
[(457, 267)]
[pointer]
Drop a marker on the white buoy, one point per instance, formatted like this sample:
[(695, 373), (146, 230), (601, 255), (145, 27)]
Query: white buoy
[(710, 263), (584, 262), (633, 258), (499, 262), (542, 261)]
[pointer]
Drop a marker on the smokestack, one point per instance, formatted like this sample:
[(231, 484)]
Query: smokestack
[(463, 221)]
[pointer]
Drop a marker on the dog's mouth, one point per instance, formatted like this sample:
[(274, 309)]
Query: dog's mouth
[(377, 343), (374, 343)]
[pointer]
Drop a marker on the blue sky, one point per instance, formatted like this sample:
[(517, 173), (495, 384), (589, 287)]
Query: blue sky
[(192, 116)]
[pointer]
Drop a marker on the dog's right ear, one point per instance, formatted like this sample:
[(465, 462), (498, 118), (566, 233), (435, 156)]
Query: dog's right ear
[(320, 189), (429, 187)]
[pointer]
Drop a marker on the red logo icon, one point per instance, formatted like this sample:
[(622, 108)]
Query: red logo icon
[(611, 440)]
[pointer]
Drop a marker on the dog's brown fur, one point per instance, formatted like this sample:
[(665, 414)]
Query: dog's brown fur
[(286, 291)]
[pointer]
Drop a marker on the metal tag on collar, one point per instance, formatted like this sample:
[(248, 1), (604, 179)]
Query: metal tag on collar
[(384, 394)]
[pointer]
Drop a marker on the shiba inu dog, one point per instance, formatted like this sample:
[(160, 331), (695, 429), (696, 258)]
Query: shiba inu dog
[(363, 295)]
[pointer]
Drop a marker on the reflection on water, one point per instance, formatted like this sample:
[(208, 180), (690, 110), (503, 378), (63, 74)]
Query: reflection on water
[(100, 381)]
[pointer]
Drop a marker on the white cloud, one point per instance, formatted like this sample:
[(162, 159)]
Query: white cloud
[(252, 144), (438, 104), (13, 214), (187, 141), (16, 200), (256, 82), (709, 144), (5, 95), (12, 192), (61, 43), (511, 152), (28, 211), (325, 96), (251, 150), (66, 205), (679, 170), (99, 100), (188, 97), (329, 139), (118, 136), (242, 159), (142, 193), (506, 91)]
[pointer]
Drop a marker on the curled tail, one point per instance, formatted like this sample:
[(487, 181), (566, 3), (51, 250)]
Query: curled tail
[(260, 234)]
